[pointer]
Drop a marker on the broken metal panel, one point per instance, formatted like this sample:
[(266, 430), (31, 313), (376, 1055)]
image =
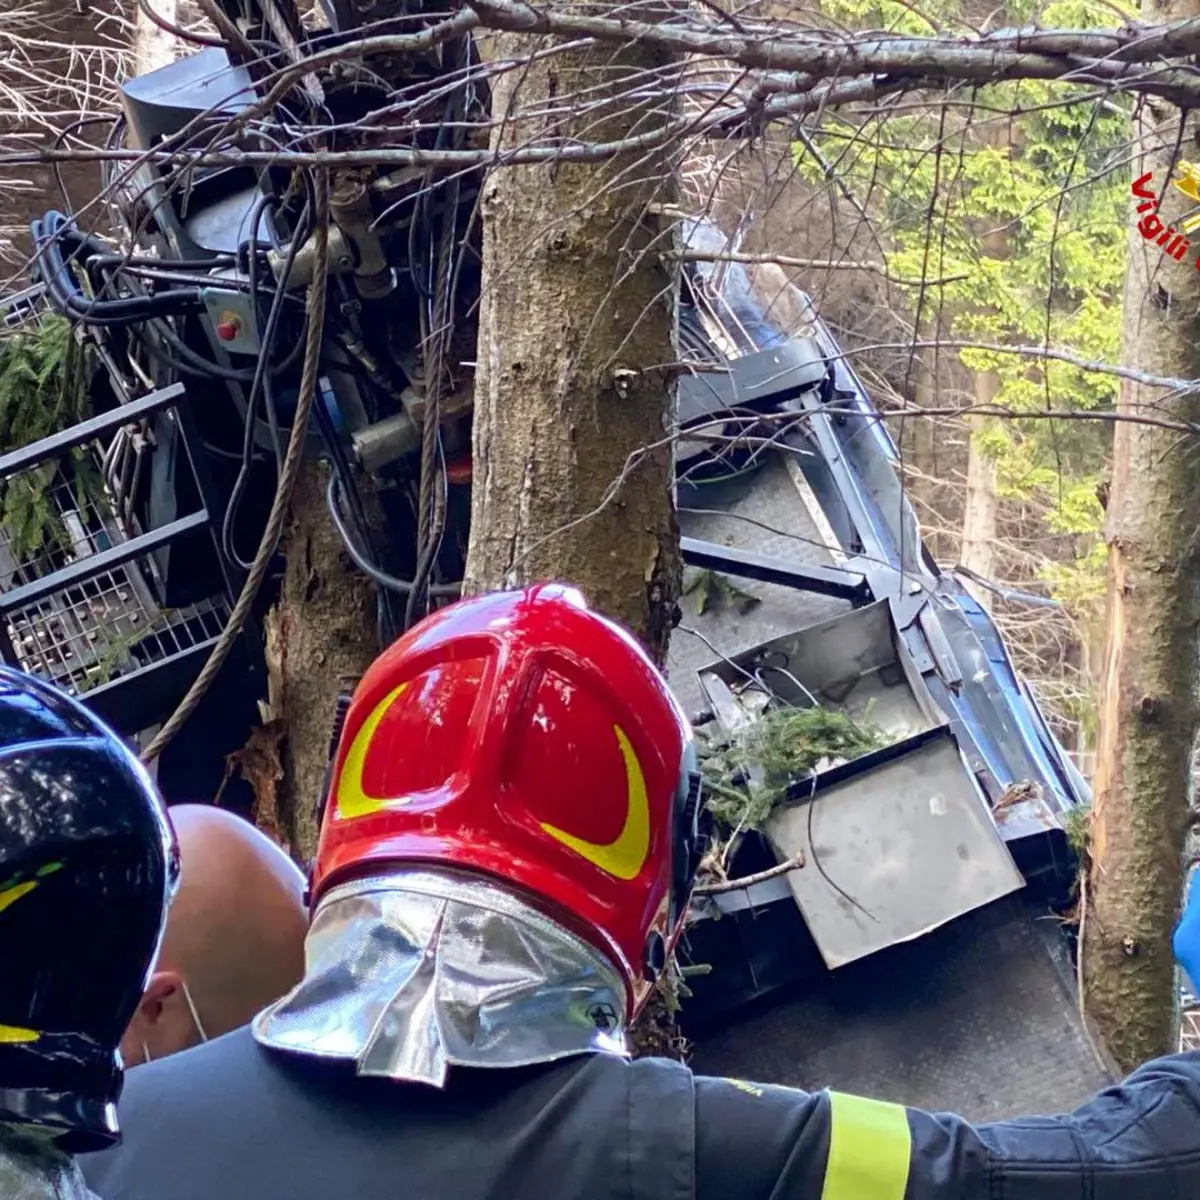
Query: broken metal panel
[(853, 468), (906, 829), (854, 663), (760, 380), (840, 487), (1026, 817), (997, 706), (871, 458), (824, 581), (721, 402), (893, 852)]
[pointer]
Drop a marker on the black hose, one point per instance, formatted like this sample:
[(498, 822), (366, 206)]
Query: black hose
[(49, 235), (364, 564), (110, 258), (388, 618)]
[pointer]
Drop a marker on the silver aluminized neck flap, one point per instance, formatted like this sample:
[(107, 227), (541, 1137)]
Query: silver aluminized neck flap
[(411, 973)]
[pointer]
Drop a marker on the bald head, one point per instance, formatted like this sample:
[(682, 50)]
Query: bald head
[(235, 936)]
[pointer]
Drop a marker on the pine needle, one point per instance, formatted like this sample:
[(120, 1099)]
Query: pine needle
[(746, 774), (42, 390)]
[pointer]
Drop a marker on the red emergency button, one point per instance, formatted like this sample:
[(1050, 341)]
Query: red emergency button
[(228, 327)]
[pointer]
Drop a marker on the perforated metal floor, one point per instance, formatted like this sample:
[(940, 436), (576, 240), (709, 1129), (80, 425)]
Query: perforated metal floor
[(975, 1018)]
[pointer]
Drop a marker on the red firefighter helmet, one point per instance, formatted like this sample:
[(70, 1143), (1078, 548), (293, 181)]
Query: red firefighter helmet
[(521, 735)]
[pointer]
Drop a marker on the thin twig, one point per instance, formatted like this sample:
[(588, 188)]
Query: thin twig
[(732, 885), (815, 264)]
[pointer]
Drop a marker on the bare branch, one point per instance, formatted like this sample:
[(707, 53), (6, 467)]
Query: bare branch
[(1024, 54)]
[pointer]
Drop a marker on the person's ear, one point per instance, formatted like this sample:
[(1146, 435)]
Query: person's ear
[(156, 1003), (157, 1028)]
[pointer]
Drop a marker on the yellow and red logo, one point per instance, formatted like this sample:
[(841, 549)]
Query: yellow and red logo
[(1150, 224), (353, 800), (624, 857)]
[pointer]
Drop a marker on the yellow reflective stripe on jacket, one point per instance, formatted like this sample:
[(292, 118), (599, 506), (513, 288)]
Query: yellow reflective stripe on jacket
[(869, 1150)]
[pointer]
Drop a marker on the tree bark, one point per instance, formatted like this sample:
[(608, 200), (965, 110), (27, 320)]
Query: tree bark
[(320, 640), (573, 467), (922, 448), (573, 463), (1148, 706), (153, 47), (978, 552)]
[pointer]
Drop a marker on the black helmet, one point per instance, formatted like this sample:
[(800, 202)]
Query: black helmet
[(88, 864)]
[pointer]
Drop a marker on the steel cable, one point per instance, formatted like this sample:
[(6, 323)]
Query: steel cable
[(288, 474)]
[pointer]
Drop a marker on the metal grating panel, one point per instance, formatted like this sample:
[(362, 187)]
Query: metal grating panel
[(1189, 1025), (108, 624)]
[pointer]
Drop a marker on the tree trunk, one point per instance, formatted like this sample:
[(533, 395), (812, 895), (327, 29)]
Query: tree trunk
[(1148, 706), (320, 640), (153, 47), (978, 552), (573, 468), (922, 439)]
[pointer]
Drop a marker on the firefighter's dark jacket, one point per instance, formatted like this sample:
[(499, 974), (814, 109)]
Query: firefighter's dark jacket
[(232, 1121)]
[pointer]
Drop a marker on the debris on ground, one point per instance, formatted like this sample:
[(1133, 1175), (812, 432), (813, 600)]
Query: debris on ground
[(710, 590)]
